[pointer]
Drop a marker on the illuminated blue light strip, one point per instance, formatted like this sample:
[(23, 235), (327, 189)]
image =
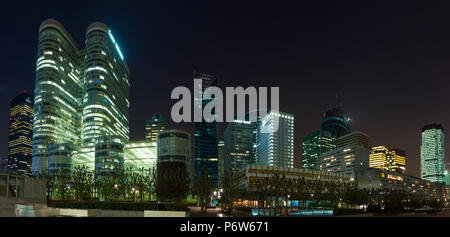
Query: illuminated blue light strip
[(112, 37), (115, 44), (118, 50)]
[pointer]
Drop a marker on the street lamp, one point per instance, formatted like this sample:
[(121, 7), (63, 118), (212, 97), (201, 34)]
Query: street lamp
[(134, 192)]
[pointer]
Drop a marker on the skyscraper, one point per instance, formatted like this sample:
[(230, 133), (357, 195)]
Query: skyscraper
[(154, 126), (276, 148), (335, 121), (313, 145), (80, 94), (238, 140), (221, 159), (433, 153), (58, 92), (205, 135), (106, 95), (20, 134)]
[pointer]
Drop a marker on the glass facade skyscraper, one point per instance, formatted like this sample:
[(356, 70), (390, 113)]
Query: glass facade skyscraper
[(206, 135), (221, 159), (313, 145), (58, 92), (433, 153), (276, 148), (154, 126), (238, 151), (20, 134), (80, 94), (106, 105)]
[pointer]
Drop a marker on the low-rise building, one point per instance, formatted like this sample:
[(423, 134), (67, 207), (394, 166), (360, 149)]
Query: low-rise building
[(140, 155), (347, 160), (373, 178), (251, 174)]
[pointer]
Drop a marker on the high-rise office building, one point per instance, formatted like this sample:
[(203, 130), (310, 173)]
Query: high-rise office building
[(154, 126), (80, 94), (58, 92), (433, 153), (353, 138), (221, 157), (276, 148), (206, 134), (335, 121), (106, 95), (314, 145), (20, 134), (238, 145)]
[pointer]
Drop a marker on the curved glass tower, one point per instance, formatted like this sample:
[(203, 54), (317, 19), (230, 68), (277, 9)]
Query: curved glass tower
[(58, 90), (106, 94), (80, 94)]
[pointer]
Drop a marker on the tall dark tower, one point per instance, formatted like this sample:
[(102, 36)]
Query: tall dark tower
[(206, 136), (20, 134), (335, 120), (154, 126)]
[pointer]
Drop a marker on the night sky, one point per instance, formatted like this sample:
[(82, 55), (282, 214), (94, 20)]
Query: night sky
[(390, 62)]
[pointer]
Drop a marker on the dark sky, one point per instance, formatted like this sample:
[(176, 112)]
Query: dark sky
[(389, 61)]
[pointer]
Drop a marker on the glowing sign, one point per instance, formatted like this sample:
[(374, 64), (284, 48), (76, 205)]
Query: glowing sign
[(115, 44)]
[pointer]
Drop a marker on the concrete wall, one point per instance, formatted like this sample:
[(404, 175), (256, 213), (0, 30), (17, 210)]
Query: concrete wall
[(152, 213), (24, 187), (44, 211)]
